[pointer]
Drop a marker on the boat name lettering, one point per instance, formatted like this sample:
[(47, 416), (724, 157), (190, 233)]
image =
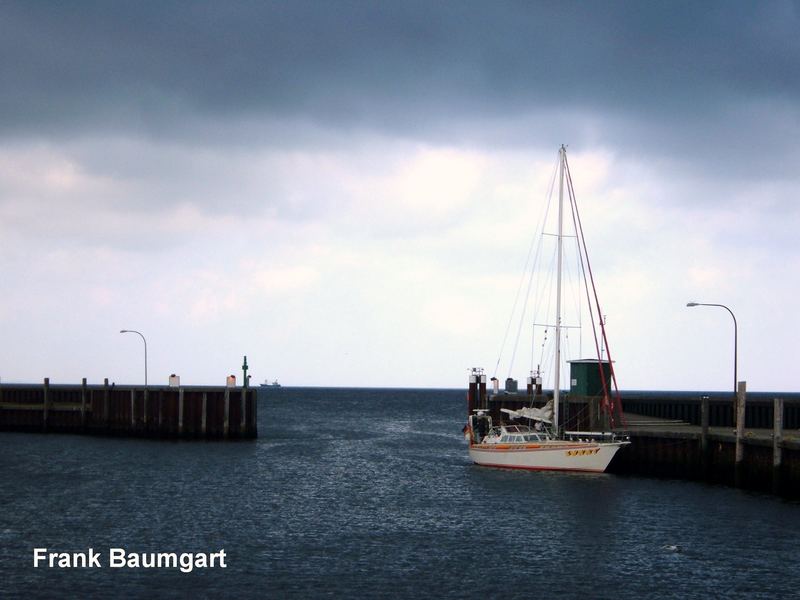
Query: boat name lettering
[(583, 451)]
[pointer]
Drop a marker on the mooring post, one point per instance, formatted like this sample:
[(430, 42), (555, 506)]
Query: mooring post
[(83, 403), (254, 415), (227, 412), (144, 411), (203, 417), (160, 401), (777, 434), (741, 393), (242, 421), (180, 411), (133, 408), (106, 411), (704, 426), (45, 403)]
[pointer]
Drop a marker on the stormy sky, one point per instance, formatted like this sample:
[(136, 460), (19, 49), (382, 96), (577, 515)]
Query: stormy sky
[(345, 191)]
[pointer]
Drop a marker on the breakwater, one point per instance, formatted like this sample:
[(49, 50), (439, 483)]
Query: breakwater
[(759, 460), (695, 436), (688, 435), (190, 412)]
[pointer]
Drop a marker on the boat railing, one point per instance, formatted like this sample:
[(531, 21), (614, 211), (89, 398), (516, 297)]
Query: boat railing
[(602, 436)]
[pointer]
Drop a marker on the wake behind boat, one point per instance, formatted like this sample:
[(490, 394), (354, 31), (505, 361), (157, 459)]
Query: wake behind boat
[(536, 439)]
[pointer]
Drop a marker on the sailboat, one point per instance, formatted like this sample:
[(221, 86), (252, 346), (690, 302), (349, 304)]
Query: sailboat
[(508, 429)]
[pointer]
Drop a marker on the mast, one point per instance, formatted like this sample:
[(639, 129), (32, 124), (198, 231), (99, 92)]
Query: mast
[(557, 384)]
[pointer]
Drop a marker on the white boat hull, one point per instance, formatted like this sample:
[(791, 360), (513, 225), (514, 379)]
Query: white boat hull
[(547, 456)]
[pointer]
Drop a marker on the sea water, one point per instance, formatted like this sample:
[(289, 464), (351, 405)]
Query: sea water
[(369, 493)]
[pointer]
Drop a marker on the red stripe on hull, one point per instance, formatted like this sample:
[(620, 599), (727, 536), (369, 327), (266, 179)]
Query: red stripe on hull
[(538, 468)]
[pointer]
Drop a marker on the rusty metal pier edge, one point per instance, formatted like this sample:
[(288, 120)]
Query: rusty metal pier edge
[(184, 412)]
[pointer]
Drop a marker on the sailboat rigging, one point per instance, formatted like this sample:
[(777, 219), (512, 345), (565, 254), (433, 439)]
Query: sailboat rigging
[(546, 445)]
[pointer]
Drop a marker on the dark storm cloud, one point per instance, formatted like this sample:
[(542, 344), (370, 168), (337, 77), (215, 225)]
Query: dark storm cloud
[(400, 66)]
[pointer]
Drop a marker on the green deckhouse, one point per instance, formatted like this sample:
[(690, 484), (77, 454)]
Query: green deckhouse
[(584, 377)]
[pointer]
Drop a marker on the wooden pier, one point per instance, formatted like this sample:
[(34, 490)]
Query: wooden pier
[(187, 412), (703, 444), (689, 435), (659, 447)]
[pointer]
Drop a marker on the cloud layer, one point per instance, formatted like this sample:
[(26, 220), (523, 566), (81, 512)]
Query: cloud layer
[(345, 191)]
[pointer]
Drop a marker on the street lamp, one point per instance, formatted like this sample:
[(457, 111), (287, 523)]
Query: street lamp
[(145, 351), (735, 347)]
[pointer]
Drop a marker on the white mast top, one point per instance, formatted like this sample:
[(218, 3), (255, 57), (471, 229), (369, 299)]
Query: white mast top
[(557, 384)]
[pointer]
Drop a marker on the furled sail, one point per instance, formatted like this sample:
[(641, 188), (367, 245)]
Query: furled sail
[(544, 414)]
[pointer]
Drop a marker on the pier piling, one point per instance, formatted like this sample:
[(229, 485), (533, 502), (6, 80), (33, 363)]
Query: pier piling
[(180, 412), (777, 434), (83, 404), (740, 420), (203, 415), (106, 400), (704, 424), (226, 418), (45, 404)]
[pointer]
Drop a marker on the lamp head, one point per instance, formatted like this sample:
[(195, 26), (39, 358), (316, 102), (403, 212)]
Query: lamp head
[(691, 304), (123, 331)]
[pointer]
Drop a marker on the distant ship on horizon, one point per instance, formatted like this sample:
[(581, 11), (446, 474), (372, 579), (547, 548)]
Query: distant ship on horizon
[(273, 384)]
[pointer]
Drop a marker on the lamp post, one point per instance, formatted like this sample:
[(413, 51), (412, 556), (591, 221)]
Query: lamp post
[(735, 346), (145, 351)]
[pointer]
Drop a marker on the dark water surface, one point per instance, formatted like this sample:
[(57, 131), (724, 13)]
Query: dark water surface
[(370, 493)]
